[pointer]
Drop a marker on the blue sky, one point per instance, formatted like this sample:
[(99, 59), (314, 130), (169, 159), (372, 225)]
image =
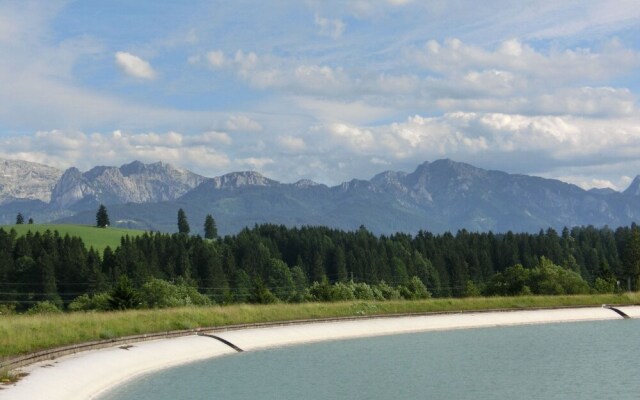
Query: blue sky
[(325, 90)]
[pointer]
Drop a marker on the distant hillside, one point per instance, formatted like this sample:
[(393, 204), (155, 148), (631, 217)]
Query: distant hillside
[(98, 238), (443, 195)]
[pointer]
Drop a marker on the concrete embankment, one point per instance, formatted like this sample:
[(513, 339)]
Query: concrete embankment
[(87, 374)]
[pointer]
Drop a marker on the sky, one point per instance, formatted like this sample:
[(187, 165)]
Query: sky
[(325, 90)]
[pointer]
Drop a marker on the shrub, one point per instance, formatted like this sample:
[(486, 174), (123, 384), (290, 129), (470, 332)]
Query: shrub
[(605, 285), (320, 291), (123, 296), (157, 293), (342, 292), (44, 307), (386, 292), (86, 302), (362, 291), (415, 290), (7, 309)]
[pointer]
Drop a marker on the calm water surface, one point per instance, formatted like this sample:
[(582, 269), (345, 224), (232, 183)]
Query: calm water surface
[(588, 360)]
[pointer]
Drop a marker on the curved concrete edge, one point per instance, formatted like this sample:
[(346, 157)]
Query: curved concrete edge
[(86, 375), (260, 338)]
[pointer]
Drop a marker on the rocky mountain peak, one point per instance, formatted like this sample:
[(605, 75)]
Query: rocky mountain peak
[(135, 182), (236, 180), (26, 180), (305, 183), (634, 188)]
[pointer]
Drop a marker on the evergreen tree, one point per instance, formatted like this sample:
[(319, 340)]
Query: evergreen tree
[(631, 257), (210, 229), (19, 219), (102, 217), (183, 224), (30, 221), (123, 296)]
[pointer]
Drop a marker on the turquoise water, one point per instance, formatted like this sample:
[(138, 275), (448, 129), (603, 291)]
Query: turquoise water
[(588, 360)]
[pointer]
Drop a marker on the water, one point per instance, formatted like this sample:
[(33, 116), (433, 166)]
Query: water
[(588, 360)]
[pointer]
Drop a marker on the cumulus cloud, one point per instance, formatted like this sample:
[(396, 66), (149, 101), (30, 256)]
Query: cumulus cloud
[(507, 139), (134, 66), (292, 143), (333, 28), (211, 137), (571, 65), (65, 149), (242, 123), (216, 58)]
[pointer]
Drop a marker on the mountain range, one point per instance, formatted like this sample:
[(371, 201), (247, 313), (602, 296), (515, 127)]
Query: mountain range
[(438, 196)]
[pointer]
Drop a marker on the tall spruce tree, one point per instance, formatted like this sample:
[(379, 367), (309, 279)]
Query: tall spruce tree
[(19, 219), (102, 217), (183, 224), (210, 229)]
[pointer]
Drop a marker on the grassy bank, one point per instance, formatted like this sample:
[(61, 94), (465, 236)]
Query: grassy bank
[(98, 238), (21, 334)]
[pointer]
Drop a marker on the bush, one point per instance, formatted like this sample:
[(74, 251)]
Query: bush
[(605, 285), (547, 278), (415, 290), (342, 292), (123, 296), (158, 293), (362, 291), (320, 291), (262, 295), (97, 302), (383, 291), (7, 309), (44, 307)]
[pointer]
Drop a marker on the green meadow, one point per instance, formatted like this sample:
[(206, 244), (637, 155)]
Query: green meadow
[(92, 236)]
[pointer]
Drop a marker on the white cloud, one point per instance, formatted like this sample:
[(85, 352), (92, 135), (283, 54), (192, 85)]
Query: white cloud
[(216, 58), (211, 137), (358, 139), (292, 143), (242, 123), (255, 162), (356, 112), (134, 66), (454, 56), (333, 28), (65, 149)]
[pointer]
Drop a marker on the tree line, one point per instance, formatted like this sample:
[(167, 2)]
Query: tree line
[(269, 263)]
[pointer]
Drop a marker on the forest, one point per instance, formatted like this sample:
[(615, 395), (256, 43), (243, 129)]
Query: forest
[(271, 263)]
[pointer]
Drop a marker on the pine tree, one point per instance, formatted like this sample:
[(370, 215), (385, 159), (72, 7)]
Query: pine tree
[(210, 229), (183, 224), (102, 217), (19, 219)]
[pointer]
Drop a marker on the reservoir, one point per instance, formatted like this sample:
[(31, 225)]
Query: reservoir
[(584, 360)]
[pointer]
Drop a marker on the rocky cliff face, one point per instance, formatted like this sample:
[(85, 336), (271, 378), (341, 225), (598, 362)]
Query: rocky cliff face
[(135, 183), (23, 180), (634, 188), (237, 180)]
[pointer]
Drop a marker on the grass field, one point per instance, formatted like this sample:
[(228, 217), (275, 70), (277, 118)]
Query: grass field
[(21, 334), (98, 238)]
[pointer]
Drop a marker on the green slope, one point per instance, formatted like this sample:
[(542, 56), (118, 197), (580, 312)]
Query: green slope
[(98, 238)]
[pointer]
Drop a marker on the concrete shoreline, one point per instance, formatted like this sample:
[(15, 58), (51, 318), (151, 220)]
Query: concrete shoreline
[(88, 374)]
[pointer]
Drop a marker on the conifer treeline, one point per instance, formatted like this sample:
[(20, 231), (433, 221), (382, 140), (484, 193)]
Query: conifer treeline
[(46, 266)]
